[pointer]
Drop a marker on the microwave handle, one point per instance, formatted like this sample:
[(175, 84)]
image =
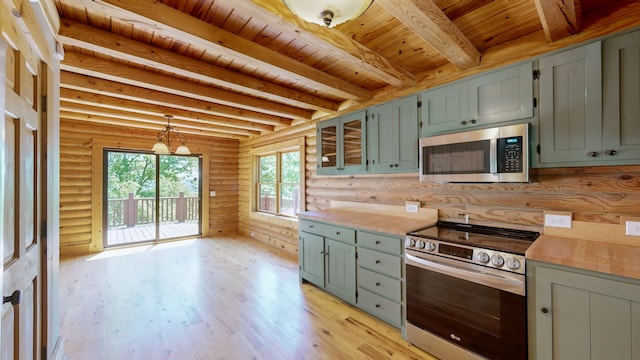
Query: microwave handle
[(493, 156)]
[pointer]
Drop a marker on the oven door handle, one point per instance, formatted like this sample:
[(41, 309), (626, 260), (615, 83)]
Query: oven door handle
[(499, 282)]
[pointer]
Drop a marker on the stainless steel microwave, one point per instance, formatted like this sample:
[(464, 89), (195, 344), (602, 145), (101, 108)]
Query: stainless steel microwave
[(499, 154)]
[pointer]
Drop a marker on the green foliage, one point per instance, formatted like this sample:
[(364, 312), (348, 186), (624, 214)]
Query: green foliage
[(136, 173)]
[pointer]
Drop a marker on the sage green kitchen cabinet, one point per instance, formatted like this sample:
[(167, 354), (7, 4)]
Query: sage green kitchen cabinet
[(341, 145), (380, 278), (327, 258), (571, 106), (578, 314), (621, 98), (494, 97), (392, 131)]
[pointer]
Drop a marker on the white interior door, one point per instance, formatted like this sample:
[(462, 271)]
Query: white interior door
[(21, 254)]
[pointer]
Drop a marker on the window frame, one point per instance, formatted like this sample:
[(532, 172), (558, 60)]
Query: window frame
[(295, 145)]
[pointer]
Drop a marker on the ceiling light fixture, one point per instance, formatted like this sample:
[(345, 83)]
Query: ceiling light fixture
[(168, 135), (328, 13)]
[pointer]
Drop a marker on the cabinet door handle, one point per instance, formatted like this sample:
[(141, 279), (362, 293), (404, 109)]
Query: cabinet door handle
[(544, 310), (594, 154), (611, 152), (463, 122), (473, 121)]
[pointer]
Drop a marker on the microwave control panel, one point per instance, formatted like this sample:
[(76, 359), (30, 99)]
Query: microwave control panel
[(510, 154)]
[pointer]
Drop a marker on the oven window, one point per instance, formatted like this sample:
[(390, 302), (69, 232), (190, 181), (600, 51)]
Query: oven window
[(487, 321), (462, 158)]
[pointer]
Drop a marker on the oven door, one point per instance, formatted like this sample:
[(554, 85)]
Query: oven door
[(474, 307)]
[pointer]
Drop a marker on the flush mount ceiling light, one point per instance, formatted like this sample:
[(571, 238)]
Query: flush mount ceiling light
[(166, 136), (327, 13)]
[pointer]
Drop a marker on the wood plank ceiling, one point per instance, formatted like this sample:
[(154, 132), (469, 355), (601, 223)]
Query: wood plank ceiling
[(242, 68)]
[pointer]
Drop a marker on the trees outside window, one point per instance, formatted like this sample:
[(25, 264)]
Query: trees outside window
[(278, 187)]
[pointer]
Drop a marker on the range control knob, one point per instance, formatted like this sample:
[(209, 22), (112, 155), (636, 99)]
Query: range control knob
[(482, 257), (410, 242), (497, 260), (430, 246), (420, 244), (513, 263)]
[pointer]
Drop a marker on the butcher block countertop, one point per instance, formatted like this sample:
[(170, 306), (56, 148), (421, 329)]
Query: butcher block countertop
[(604, 257), (389, 223)]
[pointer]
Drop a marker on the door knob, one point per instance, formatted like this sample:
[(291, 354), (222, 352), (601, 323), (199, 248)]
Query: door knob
[(15, 298)]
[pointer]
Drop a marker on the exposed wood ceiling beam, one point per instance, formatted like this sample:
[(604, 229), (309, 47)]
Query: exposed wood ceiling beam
[(181, 124), (104, 42), (108, 102), (560, 18), (124, 91), (426, 19), (96, 67), (332, 43), (164, 19), (140, 124)]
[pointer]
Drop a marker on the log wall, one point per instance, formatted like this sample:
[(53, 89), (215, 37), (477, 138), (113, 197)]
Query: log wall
[(593, 194), (81, 147)]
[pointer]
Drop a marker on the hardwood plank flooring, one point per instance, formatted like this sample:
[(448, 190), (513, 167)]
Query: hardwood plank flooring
[(211, 298)]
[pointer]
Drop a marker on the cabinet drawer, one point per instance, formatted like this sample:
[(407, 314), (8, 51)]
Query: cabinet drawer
[(380, 284), (380, 262), (378, 242), (345, 235), (383, 308)]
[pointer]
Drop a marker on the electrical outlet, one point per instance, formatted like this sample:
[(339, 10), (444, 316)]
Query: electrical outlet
[(561, 221), (212, 193), (633, 228), (411, 206)]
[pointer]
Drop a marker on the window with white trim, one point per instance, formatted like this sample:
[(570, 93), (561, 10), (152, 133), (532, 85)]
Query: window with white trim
[(279, 175)]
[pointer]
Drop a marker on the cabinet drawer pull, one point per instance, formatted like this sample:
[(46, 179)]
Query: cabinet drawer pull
[(473, 121), (463, 122), (377, 242), (611, 152), (544, 310), (311, 226), (377, 261), (377, 306), (378, 284), (337, 232), (594, 154)]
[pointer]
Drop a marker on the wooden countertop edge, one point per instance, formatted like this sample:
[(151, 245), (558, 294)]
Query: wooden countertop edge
[(364, 220), (608, 258)]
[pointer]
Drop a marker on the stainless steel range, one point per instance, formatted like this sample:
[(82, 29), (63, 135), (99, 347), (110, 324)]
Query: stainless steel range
[(465, 291)]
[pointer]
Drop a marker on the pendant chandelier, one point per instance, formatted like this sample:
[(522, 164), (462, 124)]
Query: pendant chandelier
[(328, 13), (166, 136)]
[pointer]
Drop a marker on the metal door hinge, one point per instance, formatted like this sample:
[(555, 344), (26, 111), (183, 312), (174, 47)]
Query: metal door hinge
[(535, 102), (420, 124), (538, 148), (536, 74), (419, 104)]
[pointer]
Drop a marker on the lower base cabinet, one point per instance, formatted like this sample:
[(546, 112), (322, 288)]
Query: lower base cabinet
[(578, 314), (360, 267)]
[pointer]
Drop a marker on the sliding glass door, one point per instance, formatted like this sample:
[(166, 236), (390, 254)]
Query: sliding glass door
[(150, 197)]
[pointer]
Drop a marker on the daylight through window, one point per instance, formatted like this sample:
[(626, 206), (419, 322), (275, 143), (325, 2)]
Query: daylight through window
[(278, 188)]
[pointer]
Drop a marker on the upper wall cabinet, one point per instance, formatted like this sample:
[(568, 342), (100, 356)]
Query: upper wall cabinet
[(590, 104), (498, 96), (621, 97), (341, 145), (571, 105), (392, 131)]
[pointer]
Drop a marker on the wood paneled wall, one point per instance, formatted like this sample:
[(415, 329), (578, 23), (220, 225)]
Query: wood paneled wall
[(593, 194), (81, 147)]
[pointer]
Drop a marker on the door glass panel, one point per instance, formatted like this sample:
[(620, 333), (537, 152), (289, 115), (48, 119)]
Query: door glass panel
[(131, 195), (352, 131), (179, 201), (329, 143)]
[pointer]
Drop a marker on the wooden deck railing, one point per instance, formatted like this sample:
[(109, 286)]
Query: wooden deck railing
[(133, 211)]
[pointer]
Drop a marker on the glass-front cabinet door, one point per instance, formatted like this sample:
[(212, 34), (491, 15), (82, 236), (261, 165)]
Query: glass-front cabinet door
[(341, 145)]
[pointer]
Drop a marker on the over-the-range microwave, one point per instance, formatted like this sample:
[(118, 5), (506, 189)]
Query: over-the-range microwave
[(499, 154)]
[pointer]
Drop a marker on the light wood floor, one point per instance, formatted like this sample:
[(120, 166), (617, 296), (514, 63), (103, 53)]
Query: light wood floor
[(216, 298)]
